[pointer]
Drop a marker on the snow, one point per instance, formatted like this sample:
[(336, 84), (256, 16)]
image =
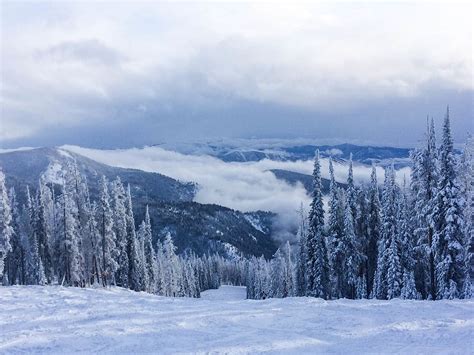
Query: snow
[(54, 173), (63, 320), (64, 153)]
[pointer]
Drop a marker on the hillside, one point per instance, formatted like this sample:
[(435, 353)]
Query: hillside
[(195, 227)]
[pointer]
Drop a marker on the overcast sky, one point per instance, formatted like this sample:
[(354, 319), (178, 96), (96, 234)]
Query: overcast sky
[(130, 74)]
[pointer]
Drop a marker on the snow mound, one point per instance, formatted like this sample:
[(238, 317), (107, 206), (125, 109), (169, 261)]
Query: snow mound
[(64, 320)]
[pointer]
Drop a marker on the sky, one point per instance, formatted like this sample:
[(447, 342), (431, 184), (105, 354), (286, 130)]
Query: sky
[(128, 74)]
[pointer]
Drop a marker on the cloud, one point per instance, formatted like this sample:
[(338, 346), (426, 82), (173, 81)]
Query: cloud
[(88, 50), (78, 64)]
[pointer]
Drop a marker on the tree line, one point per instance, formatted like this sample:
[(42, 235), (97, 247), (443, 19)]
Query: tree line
[(412, 241)]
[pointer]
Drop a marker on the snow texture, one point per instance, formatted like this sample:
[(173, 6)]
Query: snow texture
[(64, 320)]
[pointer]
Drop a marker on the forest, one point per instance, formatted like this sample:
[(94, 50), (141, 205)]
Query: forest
[(373, 240)]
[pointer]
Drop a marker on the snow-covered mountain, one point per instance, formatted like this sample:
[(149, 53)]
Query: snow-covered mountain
[(202, 228), (250, 150)]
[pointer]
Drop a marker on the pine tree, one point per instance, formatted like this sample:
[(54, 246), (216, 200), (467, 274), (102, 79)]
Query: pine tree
[(68, 248), (107, 236), (302, 260), (171, 268), (373, 231), (449, 224), (388, 271), (424, 180), (467, 190), (135, 272), (407, 246), (6, 230), (352, 257), (335, 234), (149, 253), (318, 264), (120, 229), (15, 258), (34, 266), (43, 230)]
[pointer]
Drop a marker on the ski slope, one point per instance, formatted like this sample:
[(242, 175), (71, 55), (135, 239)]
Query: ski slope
[(64, 320)]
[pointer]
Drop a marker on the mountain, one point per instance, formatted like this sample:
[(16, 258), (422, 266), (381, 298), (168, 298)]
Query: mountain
[(247, 150), (26, 167), (208, 229), (306, 180), (198, 227)]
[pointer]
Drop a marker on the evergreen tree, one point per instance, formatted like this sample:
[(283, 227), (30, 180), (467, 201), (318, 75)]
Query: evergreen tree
[(15, 258), (352, 257), (107, 236), (135, 272), (68, 248), (120, 229), (449, 224), (424, 180), (6, 230), (149, 253), (336, 234), (467, 190), (302, 260), (43, 230), (373, 231), (317, 265), (387, 274)]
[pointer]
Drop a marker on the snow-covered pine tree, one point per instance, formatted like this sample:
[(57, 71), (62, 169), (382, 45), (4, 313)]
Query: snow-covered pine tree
[(407, 244), (423, 186), (277, 274), (288, 279), (302, 258), (109, 252), (351, 192), (35, 269), (170, 268), (373, 231), (388, 275), (148, 250), (352, 257), (136, 273), (158, 267), (15, 259), (467, 190), (94, 245), (318, 284), (6, 229), (120, 230), (69, 262), (43, 229), (263, 281), (449, 224), (335, 234)]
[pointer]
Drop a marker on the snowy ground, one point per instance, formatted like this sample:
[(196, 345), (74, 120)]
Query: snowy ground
[(63, 320)]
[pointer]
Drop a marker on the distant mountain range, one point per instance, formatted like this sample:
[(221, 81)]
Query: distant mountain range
[(256, 150)]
